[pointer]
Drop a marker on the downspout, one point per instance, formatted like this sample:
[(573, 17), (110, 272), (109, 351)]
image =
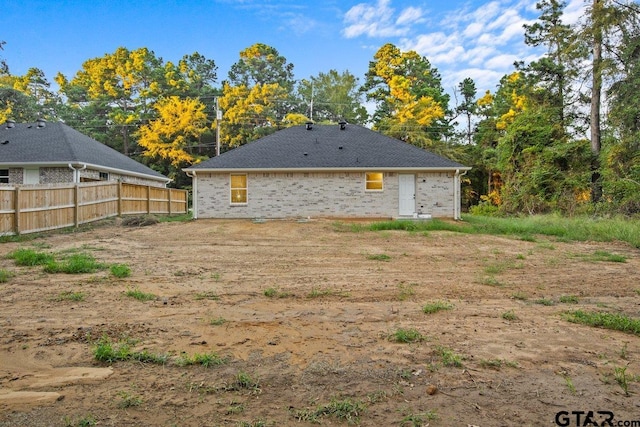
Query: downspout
[(76, 172), (194, 193)]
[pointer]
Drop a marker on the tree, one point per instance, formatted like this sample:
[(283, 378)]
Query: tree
[(27, 98), (257, 96), (174, 133), (333, 96), (468, 107), (558, 69), (4, 68), (410, 101), (123, 85)]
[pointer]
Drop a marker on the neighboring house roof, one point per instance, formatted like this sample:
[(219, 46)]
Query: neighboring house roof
[(327, 147), (56, 144)]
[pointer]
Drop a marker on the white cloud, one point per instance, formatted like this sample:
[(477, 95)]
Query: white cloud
[(410, 15), (378, 20)]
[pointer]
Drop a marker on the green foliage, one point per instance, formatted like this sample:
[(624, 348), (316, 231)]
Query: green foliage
[(70, 296), (343, 409), (509, 315), (108, 351), (613, 321), (204, 359), (30, 257), (136, 293), (448, 357), (406, 336), (128, 400), (120, 270), (79, 263), (379, 257), (418, 420), (436, 306), (5, 275)]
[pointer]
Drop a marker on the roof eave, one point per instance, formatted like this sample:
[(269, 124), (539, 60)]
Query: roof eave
[(334, 169), (88, 165)]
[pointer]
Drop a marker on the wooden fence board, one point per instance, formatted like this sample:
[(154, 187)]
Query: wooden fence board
[(29, 209)]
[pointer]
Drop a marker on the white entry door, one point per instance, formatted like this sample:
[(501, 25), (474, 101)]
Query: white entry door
[(407, 194)]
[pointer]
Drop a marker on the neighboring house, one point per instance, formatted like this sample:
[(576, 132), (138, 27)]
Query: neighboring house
[(51, 153), (326, 171)]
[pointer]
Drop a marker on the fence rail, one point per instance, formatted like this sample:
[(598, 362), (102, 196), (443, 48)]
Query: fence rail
[(30, 209)]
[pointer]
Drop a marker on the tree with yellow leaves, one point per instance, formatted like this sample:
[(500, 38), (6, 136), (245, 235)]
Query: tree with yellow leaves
[(411, 103), (174, 133)]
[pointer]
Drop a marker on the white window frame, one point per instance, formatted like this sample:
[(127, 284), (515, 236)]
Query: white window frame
[(367, 181), (245, 188)]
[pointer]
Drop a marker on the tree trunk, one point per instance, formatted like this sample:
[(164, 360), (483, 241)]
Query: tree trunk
[(596, 184)]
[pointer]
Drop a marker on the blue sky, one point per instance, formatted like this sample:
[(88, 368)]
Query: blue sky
[(477, 39)]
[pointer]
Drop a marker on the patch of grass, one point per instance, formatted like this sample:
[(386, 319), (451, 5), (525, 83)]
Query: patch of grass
[(86, 421), (242, 381), (318, 293), (613, 321), (497, 363), (379, 257), (544, 301), (205, 359), (210, 295), (569, 383), (568, 299), (107, 351), (70, 296), (492, 281), (5, 275), (29, 258), (136, 293), (520, 296), (79, 263), (254, 423), (128, 400), (406, 291), (406, 336), (418, 420), (345, 410), (235, 408), (275, 293), (436, 306), (509, 315), (448, 357), (120, 270), (218, 321)]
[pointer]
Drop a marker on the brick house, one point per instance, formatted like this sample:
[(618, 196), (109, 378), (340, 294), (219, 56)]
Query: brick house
[(326, 171), (53, 153)]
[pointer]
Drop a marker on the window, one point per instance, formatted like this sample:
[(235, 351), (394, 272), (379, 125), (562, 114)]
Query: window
[(374, 181), (104, 176), (238, 189), (4, 176)]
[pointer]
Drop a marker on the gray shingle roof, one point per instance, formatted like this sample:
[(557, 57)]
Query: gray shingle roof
[(327, 146), (58, 144)]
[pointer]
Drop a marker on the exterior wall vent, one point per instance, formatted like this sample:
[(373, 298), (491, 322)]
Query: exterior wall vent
[(309, 125), (41, 123), (343, 125), (11, 124)]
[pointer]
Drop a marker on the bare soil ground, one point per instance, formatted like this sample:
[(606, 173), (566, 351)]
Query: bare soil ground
[(325, 336)]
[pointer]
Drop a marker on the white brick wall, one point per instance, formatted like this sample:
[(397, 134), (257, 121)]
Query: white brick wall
[(321, 194)]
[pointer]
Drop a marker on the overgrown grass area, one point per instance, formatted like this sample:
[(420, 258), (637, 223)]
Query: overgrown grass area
[(29, 257), (436, 306), (75, 264), (613, 321), (108, 351), (5, 275), (565, 229), (342, 409)]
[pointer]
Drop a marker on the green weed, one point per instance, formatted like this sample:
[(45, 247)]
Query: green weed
[(418, 420), (107, 351), (120, 270), (406, 336), (136, 293), (569, 383), (509, 315), (406, 291), (218, 321), (520, 296), (544, 301), (128, 400), (568, 299), (5, 275), (79, 263), (205, 359), (318, 293), (379, 257), (448, 357), (29, 257), (210, 295), (86, 421), (436, 306), (613, 321), (346, 410), (70, 296)]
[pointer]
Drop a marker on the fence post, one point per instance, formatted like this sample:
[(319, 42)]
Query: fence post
[(148, 199), (16, 215), (119, 198), (169, 195)]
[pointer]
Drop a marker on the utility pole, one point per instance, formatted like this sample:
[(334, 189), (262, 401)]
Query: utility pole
[(218, 120)]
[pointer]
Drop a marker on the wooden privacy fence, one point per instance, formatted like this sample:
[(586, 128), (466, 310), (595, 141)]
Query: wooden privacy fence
[(29, 209)]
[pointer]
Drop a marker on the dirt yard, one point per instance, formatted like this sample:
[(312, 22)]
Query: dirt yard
[(304, 316)]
